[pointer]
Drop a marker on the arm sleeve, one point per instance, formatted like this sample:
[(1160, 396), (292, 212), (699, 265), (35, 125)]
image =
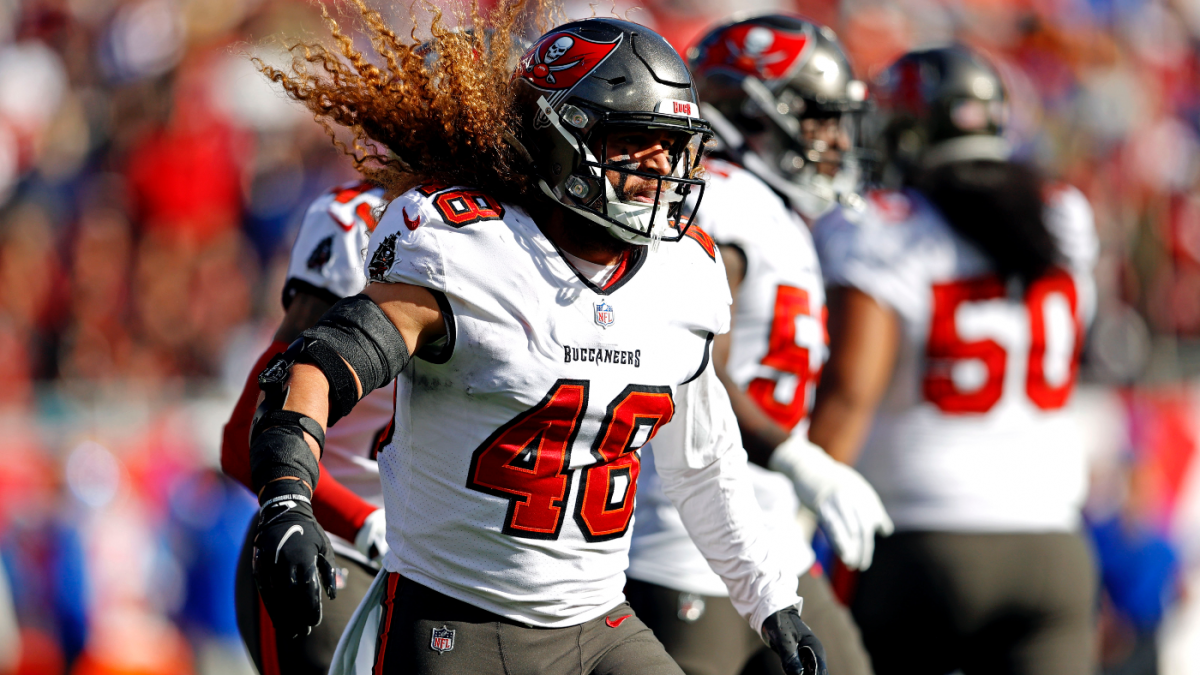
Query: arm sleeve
[(702, 465), (337, 508)]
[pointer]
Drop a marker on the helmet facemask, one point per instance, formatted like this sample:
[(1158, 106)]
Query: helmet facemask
[(789, 151), (600, 190)]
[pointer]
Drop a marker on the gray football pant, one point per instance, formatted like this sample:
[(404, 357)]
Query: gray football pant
[(718, 641), (988, 604), (423, 632)]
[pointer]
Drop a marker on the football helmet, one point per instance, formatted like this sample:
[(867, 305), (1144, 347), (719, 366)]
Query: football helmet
[(587, 79), (937, 106), (767, 82)]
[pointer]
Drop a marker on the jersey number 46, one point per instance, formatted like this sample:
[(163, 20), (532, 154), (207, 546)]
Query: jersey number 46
[(946, 347), (527, 461)]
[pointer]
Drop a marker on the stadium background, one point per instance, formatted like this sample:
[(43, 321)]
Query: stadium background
[(150, 184)]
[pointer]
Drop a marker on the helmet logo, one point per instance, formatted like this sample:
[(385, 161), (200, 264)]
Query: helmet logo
[(755, 50), (560, 60)]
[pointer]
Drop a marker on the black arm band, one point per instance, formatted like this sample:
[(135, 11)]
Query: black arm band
[(281, 451), (357, 330)]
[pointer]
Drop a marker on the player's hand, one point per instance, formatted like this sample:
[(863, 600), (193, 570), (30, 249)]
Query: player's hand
[(845, 503), (293, 558), (371, 540), (795, 643)]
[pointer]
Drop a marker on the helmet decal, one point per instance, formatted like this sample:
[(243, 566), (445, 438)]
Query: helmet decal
[(560, 60), (756, 50)]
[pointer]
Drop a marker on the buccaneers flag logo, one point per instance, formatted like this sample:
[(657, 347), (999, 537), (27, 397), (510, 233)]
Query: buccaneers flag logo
[(560, 60), (754, 50)]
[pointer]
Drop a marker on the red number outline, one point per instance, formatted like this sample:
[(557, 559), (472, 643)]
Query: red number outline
[(476, 205), (944, 346), (627, 413), (784, 355), (535, 510), (1043, 395)]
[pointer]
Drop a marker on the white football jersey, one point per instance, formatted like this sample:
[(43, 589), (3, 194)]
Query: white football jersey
[(777, 347), (327, 261), (972, 433), (511, 478)]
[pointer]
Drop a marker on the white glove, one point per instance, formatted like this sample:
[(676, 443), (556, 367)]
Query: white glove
[(845, 503), (371, 539)]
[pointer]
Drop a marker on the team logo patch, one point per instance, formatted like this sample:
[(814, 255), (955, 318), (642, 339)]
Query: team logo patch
[(442, 640), (321, 254), (604, 314), (755, 50), (383, 259), (560, 61)]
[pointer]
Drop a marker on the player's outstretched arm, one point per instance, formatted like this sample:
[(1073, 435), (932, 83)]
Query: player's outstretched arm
[(338, 509), (360, 344)]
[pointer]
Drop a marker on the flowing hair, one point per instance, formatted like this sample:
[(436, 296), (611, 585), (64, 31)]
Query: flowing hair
[(433, 112), (999, 207)]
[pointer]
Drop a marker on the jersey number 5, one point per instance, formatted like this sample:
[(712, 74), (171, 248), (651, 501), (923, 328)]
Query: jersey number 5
[(784, 355), (945, 347), (527, 461)]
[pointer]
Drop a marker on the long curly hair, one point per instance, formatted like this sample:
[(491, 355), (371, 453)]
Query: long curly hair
[(436, 111)]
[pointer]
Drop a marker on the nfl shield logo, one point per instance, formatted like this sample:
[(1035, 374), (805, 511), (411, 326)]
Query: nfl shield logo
[(443, 640), (604, 314)]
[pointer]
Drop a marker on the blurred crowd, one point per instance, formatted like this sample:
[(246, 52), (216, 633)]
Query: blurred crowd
[(151, 180)]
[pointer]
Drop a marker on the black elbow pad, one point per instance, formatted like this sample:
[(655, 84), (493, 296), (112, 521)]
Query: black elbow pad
[(354, 329)]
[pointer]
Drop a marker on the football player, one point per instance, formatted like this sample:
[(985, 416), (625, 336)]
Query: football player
[(957, 309), (570, 337), (779, 85), (326, 265)]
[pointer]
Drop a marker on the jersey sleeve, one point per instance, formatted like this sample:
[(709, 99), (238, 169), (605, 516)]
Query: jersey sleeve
[(327, 258), (407, 245), (1069, 218), (871, 256), (702, 466)]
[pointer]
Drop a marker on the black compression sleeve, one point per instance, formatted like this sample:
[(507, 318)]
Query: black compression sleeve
[(357, 330)]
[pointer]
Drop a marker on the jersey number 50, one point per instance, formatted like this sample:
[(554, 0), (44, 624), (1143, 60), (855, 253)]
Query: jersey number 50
[(945, 347), (527, 461)]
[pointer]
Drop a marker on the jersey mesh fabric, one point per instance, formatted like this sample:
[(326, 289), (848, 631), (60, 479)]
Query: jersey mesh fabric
[(1011, 465)]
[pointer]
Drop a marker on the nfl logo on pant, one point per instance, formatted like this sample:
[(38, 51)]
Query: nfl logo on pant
[(604, 314), (443, 640)]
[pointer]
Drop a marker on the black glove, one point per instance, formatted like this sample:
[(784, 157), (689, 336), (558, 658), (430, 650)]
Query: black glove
[(794, 642), (293, 558)]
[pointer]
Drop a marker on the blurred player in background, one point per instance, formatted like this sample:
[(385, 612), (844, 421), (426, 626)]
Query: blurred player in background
[(777, 88), (326, 265), (957, 310)]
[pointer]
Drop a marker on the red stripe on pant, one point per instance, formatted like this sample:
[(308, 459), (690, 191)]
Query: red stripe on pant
[(389, 602), (267, 651)]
